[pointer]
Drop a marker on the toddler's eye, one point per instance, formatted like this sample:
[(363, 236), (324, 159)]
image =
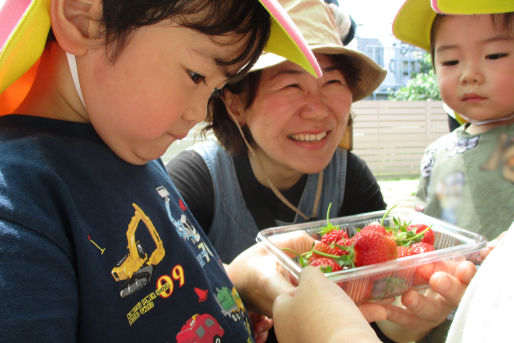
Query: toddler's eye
[(195, 77), (450, 63), (496, 56)]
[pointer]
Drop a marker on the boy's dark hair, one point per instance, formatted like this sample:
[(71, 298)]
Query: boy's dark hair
[(218, 120), (505, 20), (247, 19)]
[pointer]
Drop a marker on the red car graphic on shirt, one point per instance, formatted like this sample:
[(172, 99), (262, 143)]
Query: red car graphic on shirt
[(201, 328)]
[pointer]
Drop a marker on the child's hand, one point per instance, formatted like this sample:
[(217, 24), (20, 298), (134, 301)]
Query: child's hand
[(319, 311)]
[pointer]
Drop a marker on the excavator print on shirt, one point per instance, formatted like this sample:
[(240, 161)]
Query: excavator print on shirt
[(186, 230), (136, 267)]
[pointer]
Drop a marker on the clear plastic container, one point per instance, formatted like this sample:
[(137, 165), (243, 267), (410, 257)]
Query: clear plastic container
[(382, 280)]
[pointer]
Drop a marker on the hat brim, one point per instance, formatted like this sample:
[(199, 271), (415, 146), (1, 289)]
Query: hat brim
[(413, 22), (24, 27), (287, 41), (370, 75), (473, 6)]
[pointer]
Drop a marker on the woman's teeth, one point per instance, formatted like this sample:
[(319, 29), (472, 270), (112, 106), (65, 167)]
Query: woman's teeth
[(309, 137)]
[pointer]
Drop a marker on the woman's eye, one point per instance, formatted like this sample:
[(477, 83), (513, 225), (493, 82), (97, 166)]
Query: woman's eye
[(496, 56), (334, 82), (293, 85), (195, 77), (450, 63)]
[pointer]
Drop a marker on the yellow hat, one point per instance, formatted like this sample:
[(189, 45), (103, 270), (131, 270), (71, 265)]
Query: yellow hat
[(316, 21), (24, 27), (413, 22)]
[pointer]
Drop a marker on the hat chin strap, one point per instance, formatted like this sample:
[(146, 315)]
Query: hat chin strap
[(275, 190), (490, 121), (75, 76)]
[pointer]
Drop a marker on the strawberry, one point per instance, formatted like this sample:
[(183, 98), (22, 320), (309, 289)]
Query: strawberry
[(327, 249), (424, 271), (334, 236), (420, 247), (403, 251), (428, 235), (325, 264), (372, 247), (360, 290), (374, 228)]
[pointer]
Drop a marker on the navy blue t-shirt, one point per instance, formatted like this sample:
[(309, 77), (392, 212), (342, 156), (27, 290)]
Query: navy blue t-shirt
[(94, 249)]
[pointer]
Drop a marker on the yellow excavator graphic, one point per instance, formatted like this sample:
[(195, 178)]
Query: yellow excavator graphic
[(136, 266)]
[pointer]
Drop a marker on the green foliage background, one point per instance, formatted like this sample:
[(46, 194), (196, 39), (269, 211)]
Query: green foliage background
[(422, 86)]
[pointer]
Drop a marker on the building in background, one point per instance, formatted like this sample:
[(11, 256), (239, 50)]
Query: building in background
[(402, 62)]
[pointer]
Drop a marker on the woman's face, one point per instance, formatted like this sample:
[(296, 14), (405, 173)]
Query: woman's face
[(297, 121)]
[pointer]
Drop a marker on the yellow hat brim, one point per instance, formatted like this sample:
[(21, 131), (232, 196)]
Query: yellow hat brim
[(413, 22), (473, 6), (287, 41), (23, 47), (24, 27)]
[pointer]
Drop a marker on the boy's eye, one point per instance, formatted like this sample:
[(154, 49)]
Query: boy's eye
[(450, 63), (496, 56), (195, 77)]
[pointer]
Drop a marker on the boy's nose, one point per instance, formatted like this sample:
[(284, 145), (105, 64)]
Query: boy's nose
[(197, 109)]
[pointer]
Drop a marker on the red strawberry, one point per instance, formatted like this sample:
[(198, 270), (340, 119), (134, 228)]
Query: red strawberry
[(327, 249), (325, 264), (424, 271), (372, 247), (420, 247), (374, 228), (360, 290), (334, 236), (428, 236), (403, 251)]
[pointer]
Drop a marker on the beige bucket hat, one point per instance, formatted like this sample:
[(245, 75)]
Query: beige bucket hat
[(316, 21)]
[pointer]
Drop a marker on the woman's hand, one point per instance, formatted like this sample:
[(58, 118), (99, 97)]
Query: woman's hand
[(421, 313), (258, 275)]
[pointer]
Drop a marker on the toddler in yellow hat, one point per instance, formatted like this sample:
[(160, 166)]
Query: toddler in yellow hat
[(96, 243), (473, 57)]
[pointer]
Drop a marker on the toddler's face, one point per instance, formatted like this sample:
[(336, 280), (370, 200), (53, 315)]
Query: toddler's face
[(156, 90), (474, 61)]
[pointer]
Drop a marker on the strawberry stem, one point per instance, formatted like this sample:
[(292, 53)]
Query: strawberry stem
[(386, 214)]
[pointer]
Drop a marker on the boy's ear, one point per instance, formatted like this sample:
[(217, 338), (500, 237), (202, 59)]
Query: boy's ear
[(234, 106), (75, 23)]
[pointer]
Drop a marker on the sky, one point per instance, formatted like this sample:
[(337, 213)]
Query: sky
[(374, 18)]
